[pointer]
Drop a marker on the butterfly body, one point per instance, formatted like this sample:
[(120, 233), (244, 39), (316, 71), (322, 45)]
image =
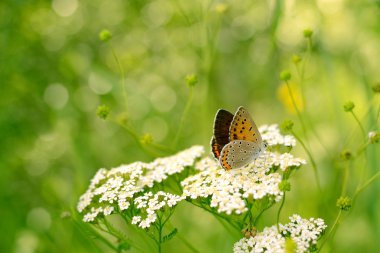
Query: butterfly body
[(236, 141)]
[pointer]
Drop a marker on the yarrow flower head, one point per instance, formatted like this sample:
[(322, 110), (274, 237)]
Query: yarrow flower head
[(304, 233), (115, 189), (227, 191)]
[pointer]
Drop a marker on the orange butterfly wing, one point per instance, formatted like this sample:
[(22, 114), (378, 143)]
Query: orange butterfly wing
[(243, 128)]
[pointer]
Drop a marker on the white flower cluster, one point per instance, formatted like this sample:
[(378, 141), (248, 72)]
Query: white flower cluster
[(271, 134), (149, 203), (229, 189), (303, 232), (119, 185)]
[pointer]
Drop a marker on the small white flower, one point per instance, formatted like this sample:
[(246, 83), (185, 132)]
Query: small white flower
[(118, 186), (271, 134), (108, 210), (149, 204), (304, 232)]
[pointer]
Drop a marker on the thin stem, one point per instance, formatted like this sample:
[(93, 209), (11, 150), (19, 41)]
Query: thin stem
[(218, 215), (345, 179), (336, 222), (366, 184), (97, 235), (363, 148), (261, 212), (188, 244), (136, 137), (112, 230), (360, 124), (313, 164), (159, 241), (296, 107), (279, 212), (183, 117), (122, 77)]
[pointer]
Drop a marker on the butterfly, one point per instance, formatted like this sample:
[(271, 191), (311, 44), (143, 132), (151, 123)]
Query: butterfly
[(236, 140)]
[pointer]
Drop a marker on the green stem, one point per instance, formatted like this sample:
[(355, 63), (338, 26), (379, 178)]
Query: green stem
[(218, 215), (183, 117), (96, 234), (188, 244), (313, 164), (112, 230), (336, 222), (122, 77), (136, 137), (261, 212), (296, 108), (279, 212), (366, 184), (345, 179), (360, 124), (159, 242)]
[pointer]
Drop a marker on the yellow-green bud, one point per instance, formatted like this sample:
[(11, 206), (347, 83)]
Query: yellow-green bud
[(191, 80), (344, 203), (285, 75), (105, 35), (146, 139), (307, 33), (102, 111), (348, 106)]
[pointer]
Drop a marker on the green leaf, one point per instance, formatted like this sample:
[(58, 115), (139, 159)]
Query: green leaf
[(170, 236)]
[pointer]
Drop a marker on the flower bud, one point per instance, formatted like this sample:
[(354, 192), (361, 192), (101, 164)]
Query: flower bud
[(344, 203), (146, 139), (105, 35), (102, 111), (374, 136), (191, 80), (307, 33), (348, 106), (285, 75), (346, 155)]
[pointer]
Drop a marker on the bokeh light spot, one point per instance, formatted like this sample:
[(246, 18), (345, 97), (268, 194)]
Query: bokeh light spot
[(56, 96), (39, 219), (64, 8)]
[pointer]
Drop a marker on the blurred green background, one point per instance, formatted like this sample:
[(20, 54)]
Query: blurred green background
[(54, 73)]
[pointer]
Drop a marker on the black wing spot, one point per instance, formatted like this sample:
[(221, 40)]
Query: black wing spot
[(243, 128), (250, 128), (241, 131)]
